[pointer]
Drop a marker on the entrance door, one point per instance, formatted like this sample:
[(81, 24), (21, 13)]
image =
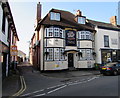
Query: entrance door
[(70, 60)]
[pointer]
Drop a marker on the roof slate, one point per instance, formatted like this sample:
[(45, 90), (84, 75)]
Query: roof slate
[(67, 20), (105, 25)]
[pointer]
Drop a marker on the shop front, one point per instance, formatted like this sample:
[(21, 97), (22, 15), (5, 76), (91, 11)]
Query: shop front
[(110, 55)]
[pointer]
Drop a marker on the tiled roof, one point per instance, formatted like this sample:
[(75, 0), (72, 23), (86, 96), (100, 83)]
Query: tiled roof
[(104, 25), (67, 20)]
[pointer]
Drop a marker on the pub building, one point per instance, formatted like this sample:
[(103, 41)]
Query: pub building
[(65, 41)]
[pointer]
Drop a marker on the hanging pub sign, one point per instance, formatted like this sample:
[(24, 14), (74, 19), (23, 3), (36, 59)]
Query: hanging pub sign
[(70, 37)]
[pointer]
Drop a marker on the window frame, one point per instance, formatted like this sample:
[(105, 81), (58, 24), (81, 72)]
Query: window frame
[(106, 41), (3, 22), (81, 20), (85, 55), (55, 16), (82, 35)]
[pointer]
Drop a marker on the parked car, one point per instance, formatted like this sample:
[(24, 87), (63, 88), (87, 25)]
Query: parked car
[(110, 68)]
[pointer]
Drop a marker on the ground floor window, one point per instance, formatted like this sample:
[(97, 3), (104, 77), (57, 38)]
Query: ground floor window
[(54, 54), (110, 55), (86, 54)]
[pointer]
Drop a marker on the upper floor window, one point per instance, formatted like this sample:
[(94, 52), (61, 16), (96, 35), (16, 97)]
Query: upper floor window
[(106, 41), (55, 32), (3, 22), (81, 20), (54, 16), (84, 35)]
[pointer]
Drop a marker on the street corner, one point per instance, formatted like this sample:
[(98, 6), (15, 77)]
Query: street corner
[(70, 74)]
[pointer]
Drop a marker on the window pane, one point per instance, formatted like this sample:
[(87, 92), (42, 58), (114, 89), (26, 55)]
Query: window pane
[(58, 16), (56, 32), (81, 20), (55, 16), (56, 53), (106, 41), (61, 54), (52, 16), (50, 55)]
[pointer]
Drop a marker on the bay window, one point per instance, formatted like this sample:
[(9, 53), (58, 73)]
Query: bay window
[(86, 54), (54, 54), (50, 54), (84, 35), (55, 32)]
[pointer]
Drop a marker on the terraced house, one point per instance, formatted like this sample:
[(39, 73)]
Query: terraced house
[(8, 37)]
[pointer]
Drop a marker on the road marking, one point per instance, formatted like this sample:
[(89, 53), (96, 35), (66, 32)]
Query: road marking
[(55, 86), (33, 92), (56, 89), (23, 87), (41, 94)]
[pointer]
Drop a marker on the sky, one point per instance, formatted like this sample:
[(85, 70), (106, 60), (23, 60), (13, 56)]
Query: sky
[(24, 14)]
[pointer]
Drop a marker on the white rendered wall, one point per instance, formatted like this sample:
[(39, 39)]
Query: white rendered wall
[(99, 41)]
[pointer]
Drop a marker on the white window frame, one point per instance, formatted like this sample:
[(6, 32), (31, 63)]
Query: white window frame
[(56, 54), (54, 16), (81, 20), (50, 54), (62, 57), (84, 34), (56, 32), (85, 55)]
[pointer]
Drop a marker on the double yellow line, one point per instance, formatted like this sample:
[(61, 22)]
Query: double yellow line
[(23, 87)]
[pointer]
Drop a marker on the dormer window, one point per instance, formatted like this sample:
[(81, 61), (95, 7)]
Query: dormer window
[(54, 16), (81, 20)]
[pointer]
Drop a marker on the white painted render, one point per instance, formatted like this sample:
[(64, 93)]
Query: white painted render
[(85, 44), (5, 36), (99, 41), (41, 36), (56, 65), (54, 42), (1, 15)]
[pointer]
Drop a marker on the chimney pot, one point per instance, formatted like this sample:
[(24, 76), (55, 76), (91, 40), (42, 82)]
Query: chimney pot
[(78, 13)]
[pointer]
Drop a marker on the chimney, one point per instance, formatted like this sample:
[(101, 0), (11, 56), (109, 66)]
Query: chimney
[(113, 20), (38, 17), (78, 13)]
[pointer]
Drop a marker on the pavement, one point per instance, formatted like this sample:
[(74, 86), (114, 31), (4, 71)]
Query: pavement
[(71, 73), (12, 84)]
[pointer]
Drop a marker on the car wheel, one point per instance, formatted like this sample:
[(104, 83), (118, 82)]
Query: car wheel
[(115, 73)]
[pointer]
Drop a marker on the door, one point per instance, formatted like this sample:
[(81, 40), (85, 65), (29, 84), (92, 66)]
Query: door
[(70, 60)]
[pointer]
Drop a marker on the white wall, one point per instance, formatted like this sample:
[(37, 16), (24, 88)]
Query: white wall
[(56, 65), (5, 36), (99, 41), (54, 42), (85, 44), (41, 36), (119, 39), (1, 15)]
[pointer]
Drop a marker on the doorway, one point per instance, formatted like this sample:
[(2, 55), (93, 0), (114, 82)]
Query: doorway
[(70, 60)]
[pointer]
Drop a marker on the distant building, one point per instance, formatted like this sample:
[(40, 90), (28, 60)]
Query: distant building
[(119, 13), (21, 56)]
